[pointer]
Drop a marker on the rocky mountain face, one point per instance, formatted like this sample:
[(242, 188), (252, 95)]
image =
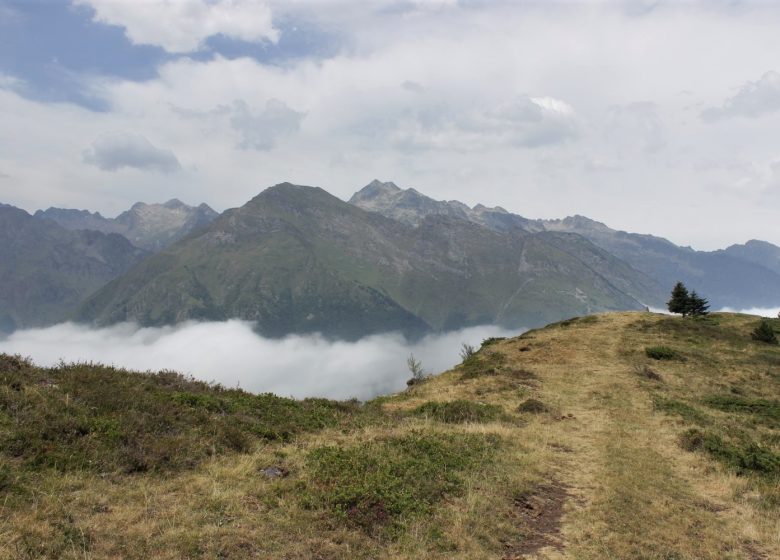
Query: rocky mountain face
[(46, 271), (297, 259), (148, 226), (411, 207), (738, 277)]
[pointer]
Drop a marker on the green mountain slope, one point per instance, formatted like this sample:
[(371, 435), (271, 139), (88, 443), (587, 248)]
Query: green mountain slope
[(296, 259), (566, 442), (46, 271), (739, 277)]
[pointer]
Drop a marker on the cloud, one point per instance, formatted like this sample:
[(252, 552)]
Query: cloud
[(260, 131), (753, 100), (760, 311), (112, 152), (231, 353), (432, 124), (637, 126), (181, 26)]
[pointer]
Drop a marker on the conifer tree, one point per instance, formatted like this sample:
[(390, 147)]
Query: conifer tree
[(697, 305), (679, 302), (764, 332)]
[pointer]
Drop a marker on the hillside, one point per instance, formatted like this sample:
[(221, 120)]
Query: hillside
[(297, 259), (569, 441), (46, 271)]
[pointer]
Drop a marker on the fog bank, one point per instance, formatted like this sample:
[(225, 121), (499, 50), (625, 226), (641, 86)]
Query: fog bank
[(232, 354), (760, 311)]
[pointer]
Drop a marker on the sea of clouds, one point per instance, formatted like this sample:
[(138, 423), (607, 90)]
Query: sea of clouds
[(232, 354)]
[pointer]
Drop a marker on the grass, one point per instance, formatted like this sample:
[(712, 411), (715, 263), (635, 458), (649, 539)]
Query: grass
[(433, 472), (763, 410), (85, 416), (459, 411), (681, 409), (380, 486)]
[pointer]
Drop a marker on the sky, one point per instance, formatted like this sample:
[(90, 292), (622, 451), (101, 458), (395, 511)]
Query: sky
[(650, 116)]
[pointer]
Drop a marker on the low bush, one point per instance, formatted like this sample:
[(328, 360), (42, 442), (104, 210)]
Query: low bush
[(661, 353), (482, 363), (459, 411), (532, 406), (742, 457), (379, 485), (764, 332), (491, 341)]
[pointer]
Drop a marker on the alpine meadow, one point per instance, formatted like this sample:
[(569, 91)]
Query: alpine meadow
[(396, 279)]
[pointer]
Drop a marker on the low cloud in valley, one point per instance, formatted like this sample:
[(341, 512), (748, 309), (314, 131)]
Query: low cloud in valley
[(232, 354)]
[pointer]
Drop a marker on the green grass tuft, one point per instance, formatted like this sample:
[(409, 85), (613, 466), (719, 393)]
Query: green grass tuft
[(764, 410), (661, 353), (459, 411)]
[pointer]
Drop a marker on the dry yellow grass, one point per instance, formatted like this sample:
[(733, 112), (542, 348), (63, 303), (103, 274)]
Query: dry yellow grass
[(599, 475)]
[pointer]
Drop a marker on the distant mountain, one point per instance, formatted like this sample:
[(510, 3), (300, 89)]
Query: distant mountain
[(149, 226), (758, 252), (725, 277), (411, 207), (740, 276), (297, 259), (47, 270)]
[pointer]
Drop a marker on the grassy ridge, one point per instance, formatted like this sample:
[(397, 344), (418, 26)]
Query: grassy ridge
[(571, 441)]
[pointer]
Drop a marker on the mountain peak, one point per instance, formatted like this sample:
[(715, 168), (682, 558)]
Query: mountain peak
[(175, 203), (375, 190)]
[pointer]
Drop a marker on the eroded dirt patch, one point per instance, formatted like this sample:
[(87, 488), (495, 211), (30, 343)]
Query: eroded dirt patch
[(538, 515)]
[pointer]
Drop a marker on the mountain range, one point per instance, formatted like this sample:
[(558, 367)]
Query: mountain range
[(148, 226), (296, 259)]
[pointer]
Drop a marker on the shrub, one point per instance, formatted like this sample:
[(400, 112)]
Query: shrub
[(532, 406), (764, 332), (466, 351), (416, 369), (743, 457), (482, 363), (459, 411), (661, 353), (492, 340)]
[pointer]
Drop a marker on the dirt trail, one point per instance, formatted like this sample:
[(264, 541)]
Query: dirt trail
[(634, 493)]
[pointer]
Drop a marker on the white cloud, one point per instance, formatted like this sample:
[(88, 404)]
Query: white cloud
[(505, 103), (759, 311), (260, 131), (230, 353), (753, 100), (181, 26), (112, 152)]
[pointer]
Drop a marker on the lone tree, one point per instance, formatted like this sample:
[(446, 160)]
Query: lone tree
[(679, 301), (687, 304), (764, 332)]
